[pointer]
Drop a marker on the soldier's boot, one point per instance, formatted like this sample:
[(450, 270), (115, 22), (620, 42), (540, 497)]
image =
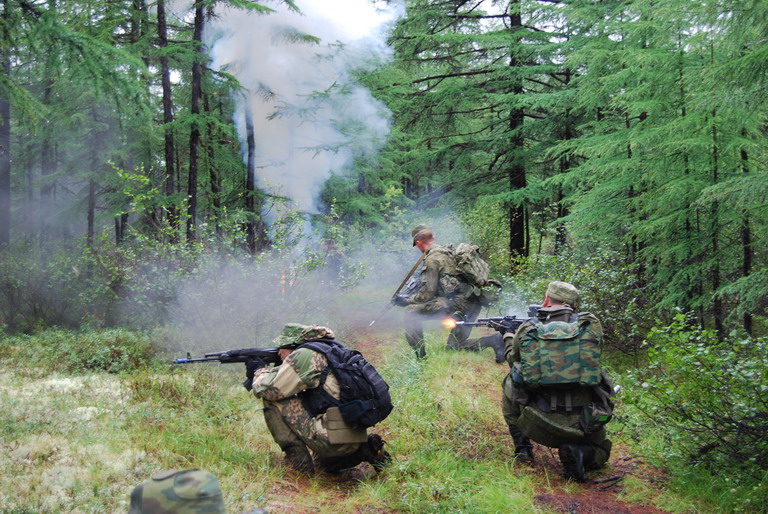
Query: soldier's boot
[(338, 464), (576, 458), (523, 445), (373, 452), (298, 459), (496, 342)]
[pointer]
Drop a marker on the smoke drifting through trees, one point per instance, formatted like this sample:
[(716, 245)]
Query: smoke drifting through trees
[(310, 117)]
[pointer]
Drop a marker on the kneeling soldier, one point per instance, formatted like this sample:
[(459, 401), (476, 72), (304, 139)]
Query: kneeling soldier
[(556, 394), (285, 389)]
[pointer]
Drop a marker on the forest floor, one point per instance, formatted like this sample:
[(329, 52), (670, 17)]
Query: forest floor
[(80, 443)]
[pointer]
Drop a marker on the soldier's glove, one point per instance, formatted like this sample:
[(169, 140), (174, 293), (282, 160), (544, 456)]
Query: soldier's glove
[(494, 282), (458, 316), (401, 300), (250, 370)]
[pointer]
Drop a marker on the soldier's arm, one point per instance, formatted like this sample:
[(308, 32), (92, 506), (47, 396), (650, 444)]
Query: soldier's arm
[(300, 370), (430, 279), (512, 344)]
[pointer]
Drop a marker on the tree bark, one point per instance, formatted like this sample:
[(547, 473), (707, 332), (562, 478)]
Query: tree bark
[(213, 171), (194, 136), (746, 245), (256, 235), (516, 172), (170, 155)]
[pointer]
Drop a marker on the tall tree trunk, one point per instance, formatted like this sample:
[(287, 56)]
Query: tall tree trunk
[(516, 171), (250, 189), (170, 154), (5, 133), (255, 231), (746, 243), (194, 136), (213, 171), (47, 145), (91, 213), (564, 165), (717, 304)]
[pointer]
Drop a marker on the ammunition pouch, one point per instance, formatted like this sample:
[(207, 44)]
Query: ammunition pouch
[(544, 430), (339, 432)]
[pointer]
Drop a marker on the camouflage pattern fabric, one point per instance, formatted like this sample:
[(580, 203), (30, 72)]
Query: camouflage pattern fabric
[(442, 286), (563, 292), (294, 334), (192, 491), (279, 386), (443, 291), (559, 352), (551, 429)]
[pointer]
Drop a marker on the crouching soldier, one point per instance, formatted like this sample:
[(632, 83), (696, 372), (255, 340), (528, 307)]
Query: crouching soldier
[(303, 405), (556, 394)]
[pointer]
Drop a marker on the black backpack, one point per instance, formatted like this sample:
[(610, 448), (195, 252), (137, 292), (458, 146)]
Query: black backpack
[(364, 398)]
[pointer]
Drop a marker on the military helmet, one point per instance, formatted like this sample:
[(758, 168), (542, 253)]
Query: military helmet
[(294, 334), (178, 492), (563, 292), (419, 230)]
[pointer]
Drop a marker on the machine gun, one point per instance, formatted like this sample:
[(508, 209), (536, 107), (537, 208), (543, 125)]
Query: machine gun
[(268, 355)]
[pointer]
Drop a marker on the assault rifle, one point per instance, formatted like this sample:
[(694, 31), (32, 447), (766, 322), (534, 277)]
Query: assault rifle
[(501, 324), (268, 355)]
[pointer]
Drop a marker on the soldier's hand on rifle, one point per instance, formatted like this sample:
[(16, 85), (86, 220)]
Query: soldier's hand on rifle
[(250, 370), (494, 282), (400, 300)]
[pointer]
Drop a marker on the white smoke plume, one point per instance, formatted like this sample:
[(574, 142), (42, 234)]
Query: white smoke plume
[(304, 129)]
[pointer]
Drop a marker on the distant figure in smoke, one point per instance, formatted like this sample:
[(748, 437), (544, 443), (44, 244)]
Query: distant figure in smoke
[(302, 382), (444, 291)]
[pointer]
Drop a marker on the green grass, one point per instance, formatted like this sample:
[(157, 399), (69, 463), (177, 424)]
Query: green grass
[(78, 440)]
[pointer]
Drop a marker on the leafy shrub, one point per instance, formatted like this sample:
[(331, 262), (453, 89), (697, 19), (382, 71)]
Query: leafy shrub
[(113, 350), (607, 287), (40, 288), (709, 397)]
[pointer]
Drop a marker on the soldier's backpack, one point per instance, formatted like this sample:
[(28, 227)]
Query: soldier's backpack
[(560, 353), (364, 396), (471, 265)]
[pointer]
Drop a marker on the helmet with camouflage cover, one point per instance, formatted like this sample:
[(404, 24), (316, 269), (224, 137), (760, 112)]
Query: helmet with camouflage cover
[(191, 491), (294, 334), (563, 292)]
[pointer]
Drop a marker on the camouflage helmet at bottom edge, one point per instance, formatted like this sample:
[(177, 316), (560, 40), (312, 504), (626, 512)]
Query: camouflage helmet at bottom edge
[(192, 491)]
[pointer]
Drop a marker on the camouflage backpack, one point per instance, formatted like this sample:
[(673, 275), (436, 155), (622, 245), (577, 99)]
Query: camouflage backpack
[(560, 353), (469, 263)]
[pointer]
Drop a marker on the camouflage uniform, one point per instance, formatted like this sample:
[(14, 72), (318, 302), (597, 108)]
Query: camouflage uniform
[(526, 412), (444, 292), (289, 422), (193, 491)]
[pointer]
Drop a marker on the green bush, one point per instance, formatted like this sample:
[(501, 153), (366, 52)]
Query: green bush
[(708, 400), (607, 287), (66, 351)]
